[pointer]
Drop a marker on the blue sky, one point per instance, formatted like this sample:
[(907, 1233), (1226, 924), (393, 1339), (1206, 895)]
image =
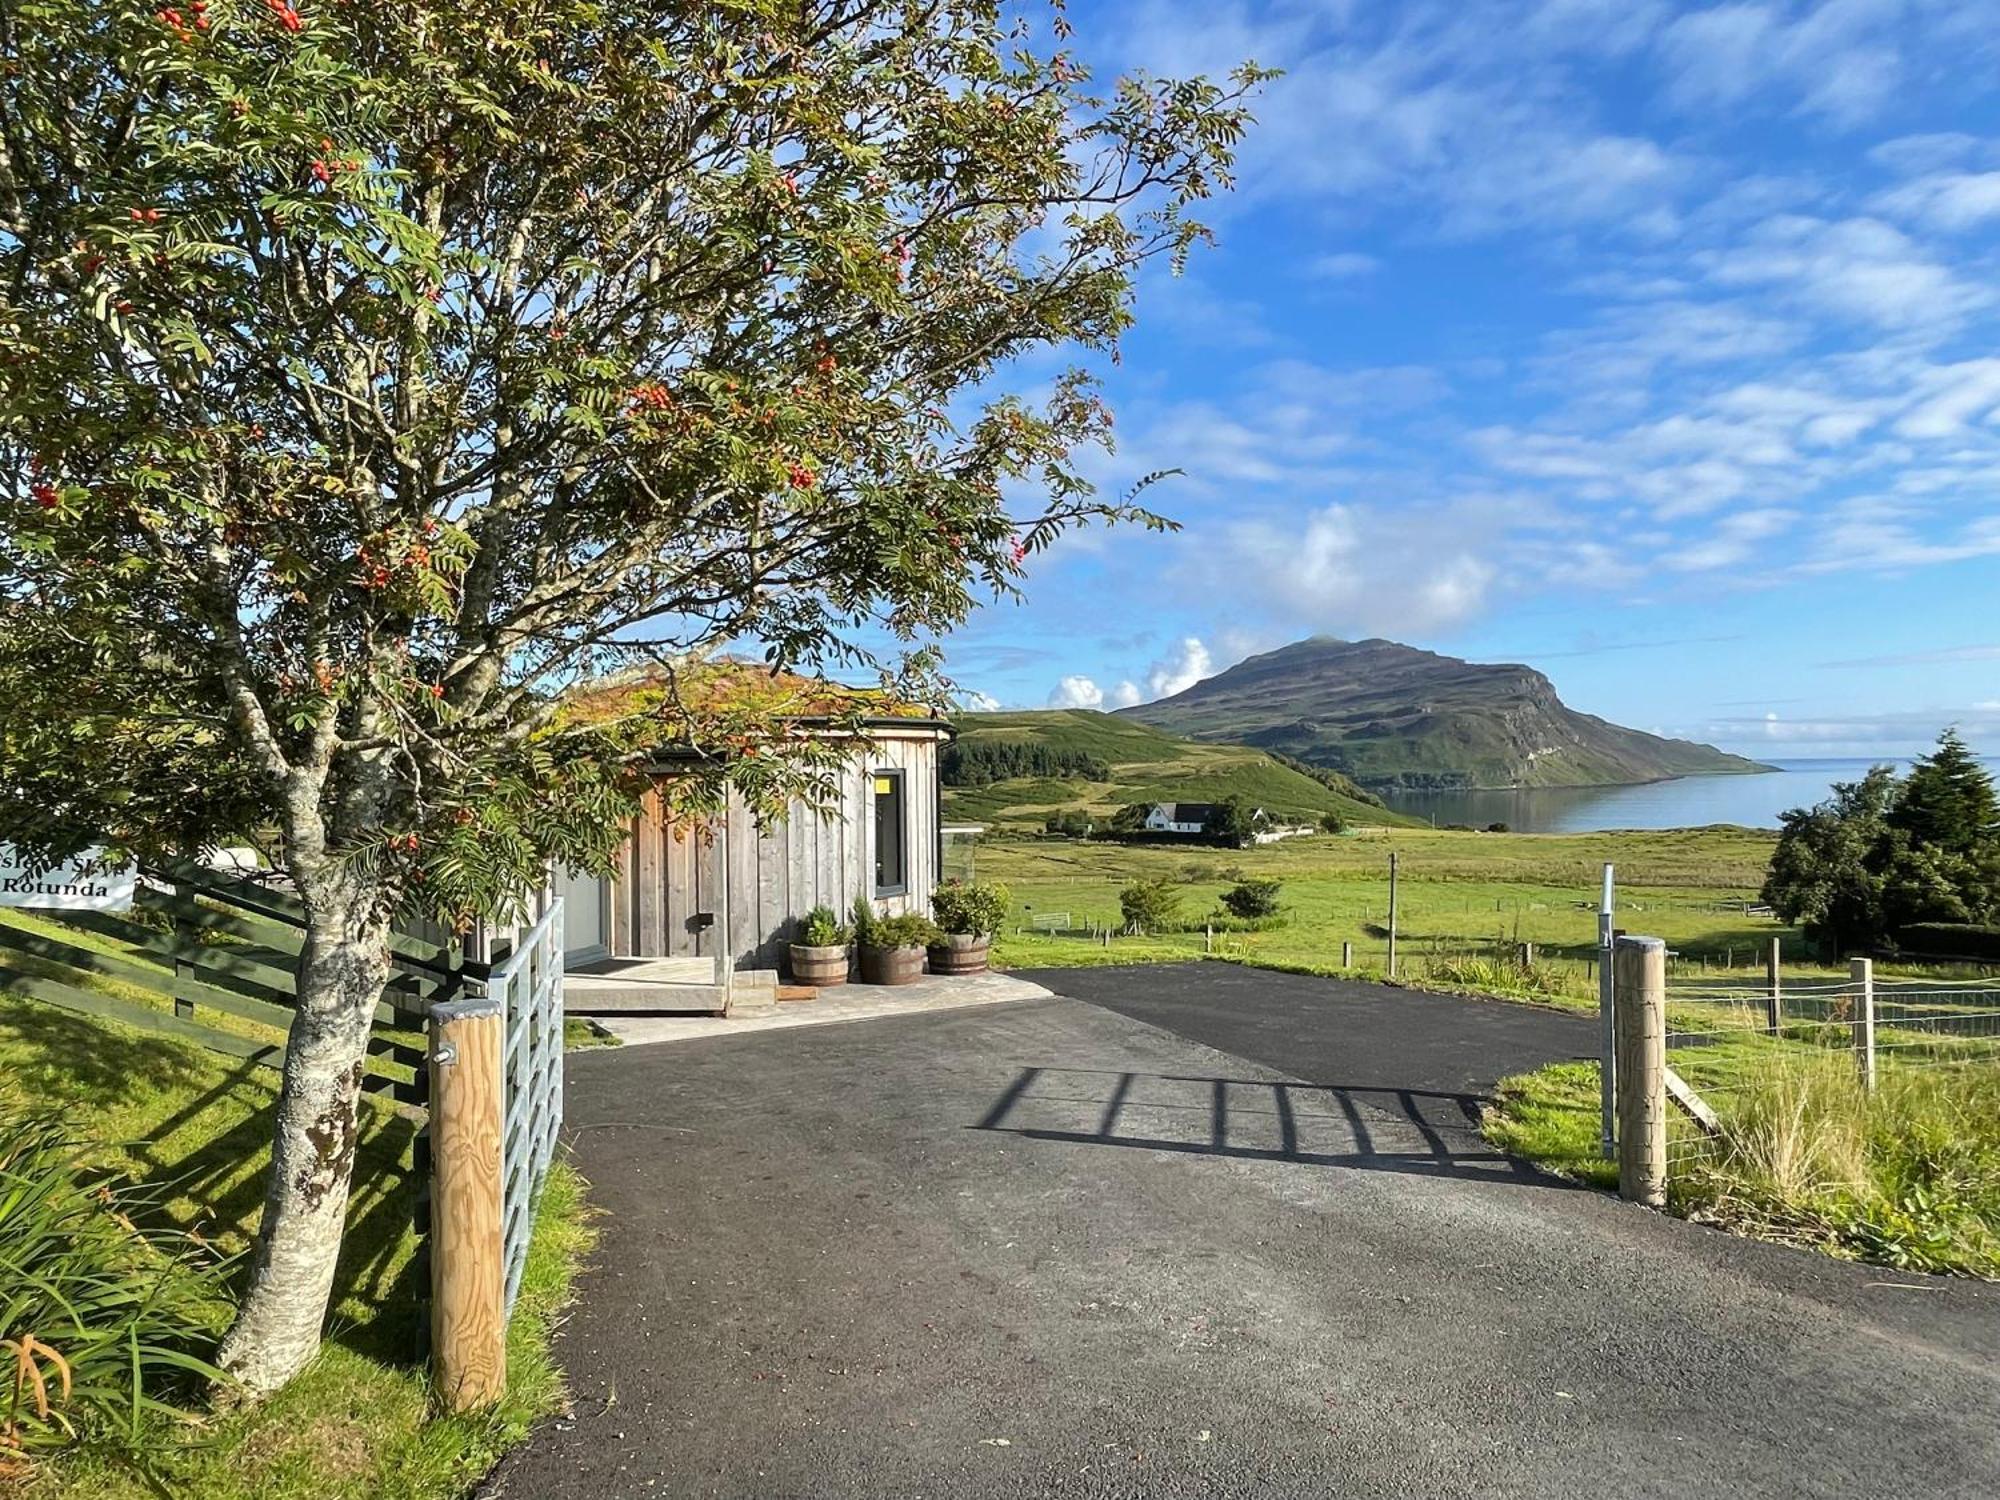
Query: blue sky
[(1651, 344)]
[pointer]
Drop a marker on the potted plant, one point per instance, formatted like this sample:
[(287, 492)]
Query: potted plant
[(891, 948), (967, 915), (820, 955)]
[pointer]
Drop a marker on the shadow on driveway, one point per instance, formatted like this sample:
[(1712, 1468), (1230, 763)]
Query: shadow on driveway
[(1421, 1131)]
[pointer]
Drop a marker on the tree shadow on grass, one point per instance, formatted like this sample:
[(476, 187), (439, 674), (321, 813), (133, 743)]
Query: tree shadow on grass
[(193, 1129)]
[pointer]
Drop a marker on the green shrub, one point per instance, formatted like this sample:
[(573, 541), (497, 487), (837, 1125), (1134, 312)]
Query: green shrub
[(822, 929), (957, 906), (99, 1317), (1951, 939), (866, 919), (1149, 905), (1333, 822), (1252, 898), (906, 931)]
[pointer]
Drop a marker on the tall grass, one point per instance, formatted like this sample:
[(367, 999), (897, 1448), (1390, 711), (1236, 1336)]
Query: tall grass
[(100, 1316), (1908, 1176)]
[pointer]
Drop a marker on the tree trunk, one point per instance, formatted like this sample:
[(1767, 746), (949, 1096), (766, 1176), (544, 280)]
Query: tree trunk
[(342, 970)]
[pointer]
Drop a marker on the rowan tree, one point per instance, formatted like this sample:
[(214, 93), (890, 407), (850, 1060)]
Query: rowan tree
[(372, 374)]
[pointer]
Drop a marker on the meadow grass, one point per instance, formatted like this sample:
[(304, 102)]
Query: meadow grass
[(1908, 1176), (1463, 899), (195, 1127)]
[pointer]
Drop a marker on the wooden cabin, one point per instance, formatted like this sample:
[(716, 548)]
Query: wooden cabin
[(716, 903)]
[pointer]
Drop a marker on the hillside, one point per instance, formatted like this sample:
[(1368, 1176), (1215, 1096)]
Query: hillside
[(1389, 715), (1137, 764)]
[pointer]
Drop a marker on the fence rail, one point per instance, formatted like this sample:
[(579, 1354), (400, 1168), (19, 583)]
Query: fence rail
[(213, 959), (1744, 1049)]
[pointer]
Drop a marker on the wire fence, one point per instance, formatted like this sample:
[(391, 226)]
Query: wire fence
[(1755, 1067)]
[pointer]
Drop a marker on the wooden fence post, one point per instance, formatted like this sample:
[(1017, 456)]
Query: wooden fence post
[(1862, 972), (468, 1256), (1347, 955), (1639, 966), (1392, 915), (1774, 994)]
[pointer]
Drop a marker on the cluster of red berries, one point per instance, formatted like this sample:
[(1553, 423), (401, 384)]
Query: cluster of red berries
[(1018, 551), (182, 28), (651, 396), (406, 842), (324, 165), (45, 495), (802, 478), (145, 216), (287, 16)]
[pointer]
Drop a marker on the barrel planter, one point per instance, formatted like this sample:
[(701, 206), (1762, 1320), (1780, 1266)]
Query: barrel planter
[(819, 967), (892, 965), (960, 953)]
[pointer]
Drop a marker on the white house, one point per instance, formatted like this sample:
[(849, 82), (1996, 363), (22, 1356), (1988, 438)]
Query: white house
[(1187, 817)]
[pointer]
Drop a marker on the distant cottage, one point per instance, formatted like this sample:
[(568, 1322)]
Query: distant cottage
[(1187, 817)]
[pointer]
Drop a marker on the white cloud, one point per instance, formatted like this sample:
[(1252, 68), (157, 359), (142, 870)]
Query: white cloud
[(1180, 671), (1733, 540), (1125, 694), (1345, 266), (1945, 200), (1076, 692), (1856, 268), (1840, 60), (1351, 569), (978, 703)]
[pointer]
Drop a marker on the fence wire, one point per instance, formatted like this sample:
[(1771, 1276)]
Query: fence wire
[(1755, 1069)]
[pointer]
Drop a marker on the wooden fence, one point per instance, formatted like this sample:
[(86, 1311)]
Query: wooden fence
[(212, 959)]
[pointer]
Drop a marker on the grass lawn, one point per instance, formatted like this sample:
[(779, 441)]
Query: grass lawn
[(1459, 895), (357, 1422)]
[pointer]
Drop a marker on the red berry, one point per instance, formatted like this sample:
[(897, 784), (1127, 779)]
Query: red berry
[(45, 496)]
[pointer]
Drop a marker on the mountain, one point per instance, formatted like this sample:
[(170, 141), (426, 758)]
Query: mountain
[(1080, 760), (1389, 715)]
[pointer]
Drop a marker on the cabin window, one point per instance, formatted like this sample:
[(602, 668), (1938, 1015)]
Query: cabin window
[(891, 844)]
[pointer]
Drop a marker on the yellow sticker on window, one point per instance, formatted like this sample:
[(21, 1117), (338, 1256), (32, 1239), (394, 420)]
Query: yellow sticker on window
[(884, 785)]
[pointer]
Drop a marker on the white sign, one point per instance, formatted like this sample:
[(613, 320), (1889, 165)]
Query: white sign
[(84, 882)]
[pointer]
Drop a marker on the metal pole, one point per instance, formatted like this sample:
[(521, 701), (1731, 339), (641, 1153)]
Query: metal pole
[(1607, 1066), (1392, 914)]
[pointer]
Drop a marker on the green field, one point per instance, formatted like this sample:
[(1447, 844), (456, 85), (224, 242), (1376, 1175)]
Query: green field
[(1460, 895), (1147, 765)]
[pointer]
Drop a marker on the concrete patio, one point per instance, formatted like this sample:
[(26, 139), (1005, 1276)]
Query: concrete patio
[(844, 1002)]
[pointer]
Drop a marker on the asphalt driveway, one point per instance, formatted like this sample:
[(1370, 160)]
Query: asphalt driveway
[(1047, 1248)]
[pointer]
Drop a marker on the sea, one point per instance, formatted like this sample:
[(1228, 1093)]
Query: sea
[(1753, 801)]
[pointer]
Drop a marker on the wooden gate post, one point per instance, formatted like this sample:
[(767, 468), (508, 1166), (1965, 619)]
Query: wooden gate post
[(1392, 915), (468, 1255), (1639, 966), (1862, 972), (1347, 954)]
